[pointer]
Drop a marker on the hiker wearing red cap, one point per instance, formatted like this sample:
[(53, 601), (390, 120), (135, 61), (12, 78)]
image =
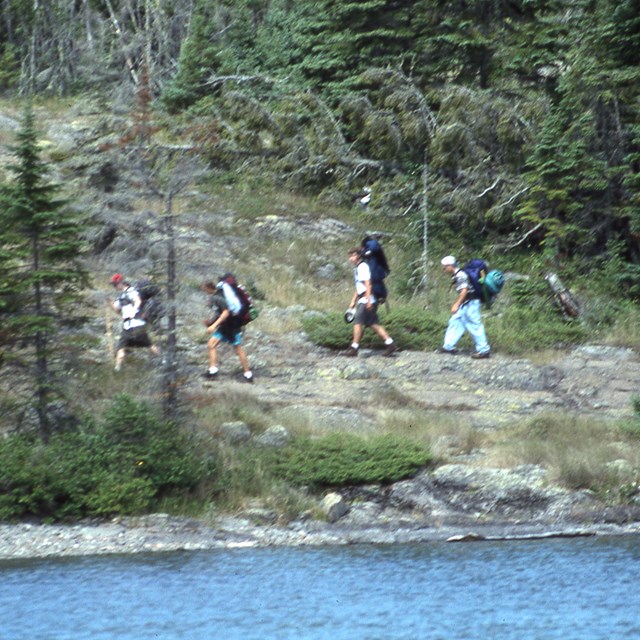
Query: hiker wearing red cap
[(134, 329)]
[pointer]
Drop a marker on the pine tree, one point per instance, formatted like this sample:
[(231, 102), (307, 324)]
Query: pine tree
[(459, 40), (41, 242), (198, 58), (584, 163), (340, 40)]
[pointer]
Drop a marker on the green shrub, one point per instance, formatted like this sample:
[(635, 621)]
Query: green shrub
[(153, 448), (635, 403), (411, 327), (124, 465), (525, 324), (341, 459), (524, 328)]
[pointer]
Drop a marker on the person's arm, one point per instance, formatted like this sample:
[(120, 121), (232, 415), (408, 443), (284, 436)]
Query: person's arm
[(136, 301), (459, 300), (368, 293), (212, 328)]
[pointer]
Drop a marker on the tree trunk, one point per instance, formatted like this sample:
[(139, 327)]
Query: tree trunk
[(567, 301), (170, 408), (41, 372)]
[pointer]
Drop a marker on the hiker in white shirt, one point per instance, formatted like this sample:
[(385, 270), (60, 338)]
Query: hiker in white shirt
[(134, 329), (366, 306)]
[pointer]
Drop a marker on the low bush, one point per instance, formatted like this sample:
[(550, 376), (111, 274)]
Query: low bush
[(341, 459), (516, 329), (528, 328), (123, 465), (411, 327)]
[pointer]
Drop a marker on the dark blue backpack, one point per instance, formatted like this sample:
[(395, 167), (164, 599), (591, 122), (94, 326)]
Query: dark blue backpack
[(373, 255), (151, 310), (486, 284)]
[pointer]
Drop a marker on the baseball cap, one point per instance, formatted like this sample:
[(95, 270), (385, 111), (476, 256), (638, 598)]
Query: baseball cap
[(448, 261), (116, 278)]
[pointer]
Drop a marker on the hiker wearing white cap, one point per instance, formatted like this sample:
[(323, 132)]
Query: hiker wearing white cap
[(465, 313)]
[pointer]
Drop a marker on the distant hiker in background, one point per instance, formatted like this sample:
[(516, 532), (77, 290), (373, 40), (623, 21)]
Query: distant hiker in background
[(365, 304), (465, 313), (134, 328), (225, 324)]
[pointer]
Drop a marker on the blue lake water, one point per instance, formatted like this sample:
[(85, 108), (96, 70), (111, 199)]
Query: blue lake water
[(582, 589)]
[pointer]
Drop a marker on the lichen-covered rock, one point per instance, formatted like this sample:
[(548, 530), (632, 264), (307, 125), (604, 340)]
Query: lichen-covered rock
[(334, 506)]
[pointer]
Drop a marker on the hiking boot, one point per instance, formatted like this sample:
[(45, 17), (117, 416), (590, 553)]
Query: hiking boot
[(248, 377), (451, 352), (480, 355), (351, 352), (390, 349), (210, 376)]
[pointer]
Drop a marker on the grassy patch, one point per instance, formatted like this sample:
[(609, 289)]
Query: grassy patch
[(440, 433), (579, 453)]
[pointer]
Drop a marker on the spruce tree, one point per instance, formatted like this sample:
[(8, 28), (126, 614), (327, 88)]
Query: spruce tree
[(342, 39), (40, 242)]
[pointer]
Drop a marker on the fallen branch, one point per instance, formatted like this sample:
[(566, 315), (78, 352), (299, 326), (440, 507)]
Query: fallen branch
[(512, 198)]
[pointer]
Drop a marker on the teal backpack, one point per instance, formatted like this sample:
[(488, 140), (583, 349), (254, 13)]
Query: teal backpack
[(486, 283)]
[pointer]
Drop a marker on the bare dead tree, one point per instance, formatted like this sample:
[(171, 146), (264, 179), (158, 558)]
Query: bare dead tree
[(164, 171)]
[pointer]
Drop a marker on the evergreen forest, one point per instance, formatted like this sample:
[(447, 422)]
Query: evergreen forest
[(510, 124)]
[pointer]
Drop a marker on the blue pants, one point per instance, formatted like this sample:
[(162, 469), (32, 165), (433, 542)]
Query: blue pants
[(467, 318)]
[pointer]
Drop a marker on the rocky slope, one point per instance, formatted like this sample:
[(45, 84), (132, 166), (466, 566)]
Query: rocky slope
[(317, 388)]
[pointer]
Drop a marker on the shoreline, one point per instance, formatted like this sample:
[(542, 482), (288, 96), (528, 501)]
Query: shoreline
[(160, 533)]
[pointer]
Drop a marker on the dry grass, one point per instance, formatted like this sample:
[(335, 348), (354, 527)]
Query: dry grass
[(444, 435), (578, 452), (228, 404), (625, 330)]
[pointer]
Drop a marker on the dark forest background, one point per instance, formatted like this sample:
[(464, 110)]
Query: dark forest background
[(511, 124)]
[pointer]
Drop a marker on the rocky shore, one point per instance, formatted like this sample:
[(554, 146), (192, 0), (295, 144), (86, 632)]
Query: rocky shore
[(459, 501), (453, 503), (160, 533)]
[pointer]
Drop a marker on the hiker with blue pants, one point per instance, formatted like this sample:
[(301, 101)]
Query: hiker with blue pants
[(465, 313)]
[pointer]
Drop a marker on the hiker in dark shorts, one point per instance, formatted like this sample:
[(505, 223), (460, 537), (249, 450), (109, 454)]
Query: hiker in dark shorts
[(366, 306), (134, 329), (224, 327)]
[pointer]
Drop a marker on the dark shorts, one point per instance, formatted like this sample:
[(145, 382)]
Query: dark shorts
[(365, 316), (136, 337), (230, 332)]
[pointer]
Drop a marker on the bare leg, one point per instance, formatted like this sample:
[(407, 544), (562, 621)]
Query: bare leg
[(213, 345), (248, 376), (243, 358), (119, 358), (380, 330)]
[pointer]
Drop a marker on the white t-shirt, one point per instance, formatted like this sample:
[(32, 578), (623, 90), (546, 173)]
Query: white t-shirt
[(361, 274), (461, 281), (130, 309)]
